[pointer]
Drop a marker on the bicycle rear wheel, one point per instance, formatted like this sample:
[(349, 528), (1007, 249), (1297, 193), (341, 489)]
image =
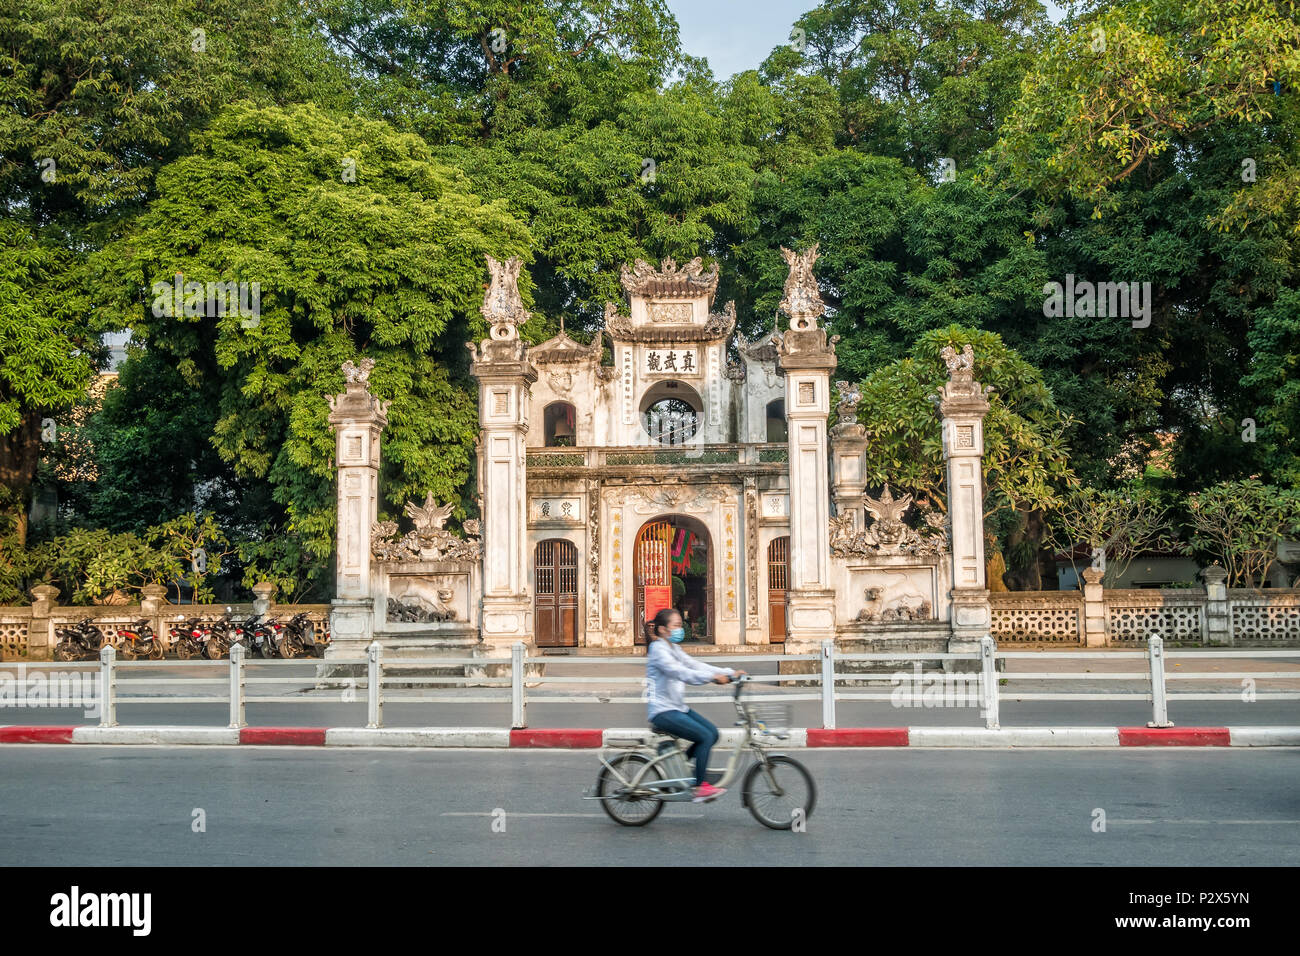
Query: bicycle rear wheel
[(779, 791), (631, 809)]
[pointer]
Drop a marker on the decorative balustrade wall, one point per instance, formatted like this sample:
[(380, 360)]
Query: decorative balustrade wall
[(1176, 614), (29, 632), (1264, 617), (1037, 617), (1130, 616)]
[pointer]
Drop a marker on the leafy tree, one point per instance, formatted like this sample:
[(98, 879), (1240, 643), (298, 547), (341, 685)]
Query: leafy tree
[(98, 95), (389, 265), (1239, 524), (45, 355), (1126, 82), (919, 80), (1123, 523), (1026, 464), (461, 71)]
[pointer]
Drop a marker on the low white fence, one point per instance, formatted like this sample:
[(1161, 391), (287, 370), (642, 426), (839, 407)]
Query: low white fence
[(969, 680)]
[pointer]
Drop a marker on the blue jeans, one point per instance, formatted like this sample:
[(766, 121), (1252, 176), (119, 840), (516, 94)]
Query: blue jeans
[(690, 726)]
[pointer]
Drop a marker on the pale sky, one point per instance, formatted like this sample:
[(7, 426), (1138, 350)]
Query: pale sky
[(736, 35)]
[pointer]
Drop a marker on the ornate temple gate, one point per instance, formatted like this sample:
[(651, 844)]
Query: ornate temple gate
[(652, 574), (778, 577), (555, 602)]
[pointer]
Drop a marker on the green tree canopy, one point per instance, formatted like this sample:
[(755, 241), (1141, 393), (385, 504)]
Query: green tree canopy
[(387, 263)]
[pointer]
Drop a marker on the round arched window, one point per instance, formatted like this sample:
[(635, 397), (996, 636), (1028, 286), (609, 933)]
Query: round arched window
[(671, 413)]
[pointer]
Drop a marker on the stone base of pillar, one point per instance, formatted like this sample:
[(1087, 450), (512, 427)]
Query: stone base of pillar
[(351, 627), (972, 619), (809, 620), (506, 620)]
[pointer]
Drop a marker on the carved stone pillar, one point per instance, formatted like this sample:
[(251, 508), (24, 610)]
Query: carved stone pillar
[(964, 403), (1094, 609), (505, 376), (807, 358), (358, 419), (1218, 610), (40, 632), (848, 457)]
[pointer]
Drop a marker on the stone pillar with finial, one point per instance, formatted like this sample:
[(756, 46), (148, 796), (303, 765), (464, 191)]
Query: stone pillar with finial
[(963, 402), (358, 419), (505, 377), (807, 358), (848, 456)]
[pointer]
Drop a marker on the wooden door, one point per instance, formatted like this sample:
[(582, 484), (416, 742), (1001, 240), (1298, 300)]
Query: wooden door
[(555, 600), (652, 572), (778, 577)]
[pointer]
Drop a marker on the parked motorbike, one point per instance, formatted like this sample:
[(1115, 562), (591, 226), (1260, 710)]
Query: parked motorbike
[(188, 638), (220, 636), (80, 642), (299, 638), (241, 632), (262, 637), (139, 640)]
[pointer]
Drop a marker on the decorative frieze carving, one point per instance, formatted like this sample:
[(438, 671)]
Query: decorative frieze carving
[(888, 534), (429, 541), (622, 329), (670, 280), (656, 498)]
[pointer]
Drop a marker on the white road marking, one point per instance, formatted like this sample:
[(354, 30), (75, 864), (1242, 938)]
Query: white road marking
[(1206, 822), (512, 813)]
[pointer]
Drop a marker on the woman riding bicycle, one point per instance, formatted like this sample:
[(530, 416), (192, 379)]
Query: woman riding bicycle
[(668, 668)]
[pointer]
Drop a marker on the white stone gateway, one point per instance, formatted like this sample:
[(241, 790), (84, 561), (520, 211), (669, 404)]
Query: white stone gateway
[(656, 467)]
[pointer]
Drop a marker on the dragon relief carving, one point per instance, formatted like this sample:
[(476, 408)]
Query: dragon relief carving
[(413, 608), (503, 307), (874, 613), (430, 541), (850, 397), (358, 374), (802, 299), (888, 533)]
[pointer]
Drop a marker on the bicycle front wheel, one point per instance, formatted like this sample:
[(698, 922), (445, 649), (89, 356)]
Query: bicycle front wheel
[(630, 807), (779, 791)]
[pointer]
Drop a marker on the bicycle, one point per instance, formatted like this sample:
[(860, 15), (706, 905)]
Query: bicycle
[(638, 777)]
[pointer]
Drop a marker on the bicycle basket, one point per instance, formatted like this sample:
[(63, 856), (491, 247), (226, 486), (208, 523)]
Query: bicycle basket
[(772, 719)]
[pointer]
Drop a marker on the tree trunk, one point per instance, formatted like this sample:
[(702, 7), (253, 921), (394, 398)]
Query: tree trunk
[(994, 568), (20, 451)]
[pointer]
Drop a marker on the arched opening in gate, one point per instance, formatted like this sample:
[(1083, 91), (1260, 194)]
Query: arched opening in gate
[(555, 593), (778, 582), (673, 567)]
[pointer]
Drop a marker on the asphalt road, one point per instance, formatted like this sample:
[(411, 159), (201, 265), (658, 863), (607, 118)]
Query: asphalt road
[(123, 806)]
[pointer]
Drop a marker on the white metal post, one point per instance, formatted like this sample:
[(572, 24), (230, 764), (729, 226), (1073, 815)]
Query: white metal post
[(107, 686), (828, 684), (374, 687), (237, 687), (1159, 706), (518, 705), (989, 674)]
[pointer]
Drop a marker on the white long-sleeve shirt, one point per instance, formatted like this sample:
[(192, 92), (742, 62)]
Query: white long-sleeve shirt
[(668, 670)]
